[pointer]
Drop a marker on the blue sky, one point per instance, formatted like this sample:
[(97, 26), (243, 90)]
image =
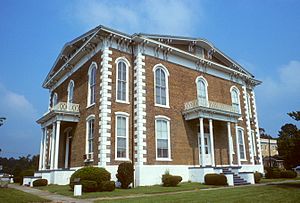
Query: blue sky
[(263, 36)]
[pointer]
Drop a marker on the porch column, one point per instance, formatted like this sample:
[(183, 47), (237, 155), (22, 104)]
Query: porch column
[(202, 142), (229, 143), (52, 146), (212, 148), (237, 145), (67, 150), (42, 150), (57, 144)]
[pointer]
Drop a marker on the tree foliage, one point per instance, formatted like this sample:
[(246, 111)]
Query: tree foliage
[(263, 134), (295, 115), (2, 120), (16, 166), (289, 145)]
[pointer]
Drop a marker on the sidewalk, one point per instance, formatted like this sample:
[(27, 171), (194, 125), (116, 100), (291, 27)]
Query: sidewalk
[(50, 196)]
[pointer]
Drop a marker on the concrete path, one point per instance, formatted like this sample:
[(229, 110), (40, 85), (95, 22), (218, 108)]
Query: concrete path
[(48, 195), (65, 199)]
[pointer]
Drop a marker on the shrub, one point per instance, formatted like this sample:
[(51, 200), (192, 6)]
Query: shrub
[(90, 173), (272, 172), (170, 180), (17, 179), (40, 182), (257, 177), (288, 174), (125, 174), (108, 186), (89, 185), (28, 172), (215, 179)]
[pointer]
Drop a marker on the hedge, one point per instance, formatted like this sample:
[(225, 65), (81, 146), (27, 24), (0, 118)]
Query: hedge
[(108, 186), (257, 177), (288, 174), (40, 182), (215, 179), (170, 180), (89, 185), (125, 174)]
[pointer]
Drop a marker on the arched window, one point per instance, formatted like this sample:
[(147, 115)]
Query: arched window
[(122, 84), (90, 132), (161, 86), (162, 134), (235, 99), (54, 99), (70, 92), (92, 84), (202, 93), (241, 144)]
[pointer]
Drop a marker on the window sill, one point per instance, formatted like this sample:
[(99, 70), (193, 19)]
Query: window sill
[(164, 159), (243, 160), (123, 102), (162, 106), (122, 159), (89, 106), (88, 160)]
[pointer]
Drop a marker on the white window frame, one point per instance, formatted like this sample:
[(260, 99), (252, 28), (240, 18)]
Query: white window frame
[(202, 79), (232, 89), (165, 70), (253, 142), (126, 116), (249, 105), (54, 99), (88, 119), (243, 138), (93, 65), (168, 120), (69, 90), (127, 64)]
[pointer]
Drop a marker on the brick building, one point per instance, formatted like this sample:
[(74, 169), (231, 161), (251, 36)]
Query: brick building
[(163, 102)]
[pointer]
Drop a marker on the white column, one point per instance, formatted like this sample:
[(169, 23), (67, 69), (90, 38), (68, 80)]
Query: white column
[(44, 149), (67, 150), (229, 143), (52, 146), (41, 150), (212, 146), (237, 145), (202, 142), (57, 144)]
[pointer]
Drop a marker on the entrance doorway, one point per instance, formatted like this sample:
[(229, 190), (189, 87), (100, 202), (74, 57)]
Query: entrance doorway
[(207, 148)]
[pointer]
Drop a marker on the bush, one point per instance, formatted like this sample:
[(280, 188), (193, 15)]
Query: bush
[(40, 182), (170, 180), (288, 174), (89, 185), (257, 177), (17, 179), (125, 174), (215, 179), (108, 186), (272, 172), (90, 173), (28, 172)]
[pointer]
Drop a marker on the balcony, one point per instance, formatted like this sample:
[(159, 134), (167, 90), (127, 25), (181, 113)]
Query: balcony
[(62, 111), (210, 109)]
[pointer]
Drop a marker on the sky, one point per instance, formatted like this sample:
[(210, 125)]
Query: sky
[(263, 36)]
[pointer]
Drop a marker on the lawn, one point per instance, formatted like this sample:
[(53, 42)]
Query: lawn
[(65, 190), (266, 180), (8, 195), (288, 192)]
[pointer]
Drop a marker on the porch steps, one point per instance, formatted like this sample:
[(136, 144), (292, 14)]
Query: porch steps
[(237, 180)]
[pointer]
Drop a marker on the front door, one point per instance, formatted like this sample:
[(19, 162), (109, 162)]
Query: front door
[(207, 148)]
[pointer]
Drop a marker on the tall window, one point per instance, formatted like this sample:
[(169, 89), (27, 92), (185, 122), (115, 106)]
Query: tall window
[(122, 136), (202, 91), (253, 142), (161, 86), (241, 144), (54, 99), (235, 99), (90, 129), (249, 105), (92, 84), (71, 91), (122, 81), (162, 131)]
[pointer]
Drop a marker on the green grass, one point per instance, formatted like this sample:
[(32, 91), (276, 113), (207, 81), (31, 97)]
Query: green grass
[(266, 180), (9, 195), (288, 192), (65, 190)]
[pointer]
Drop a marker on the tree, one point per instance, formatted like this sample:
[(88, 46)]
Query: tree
[(295, 115), (263, 134), (2, 120), (289, 143)]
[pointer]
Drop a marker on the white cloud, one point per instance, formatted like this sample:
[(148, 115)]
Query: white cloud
[(154, 16)]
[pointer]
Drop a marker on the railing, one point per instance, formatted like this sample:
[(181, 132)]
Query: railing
[(210, 104), (67, 107)]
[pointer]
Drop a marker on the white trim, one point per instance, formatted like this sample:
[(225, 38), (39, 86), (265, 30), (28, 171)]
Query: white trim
[(126, 116), (234, 88), (243, 137), (57, 132), (201, 78), (249, 105), (93, 64), (127, 64), (69, 86), (167, 74), (87, 129), (168, 120)]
